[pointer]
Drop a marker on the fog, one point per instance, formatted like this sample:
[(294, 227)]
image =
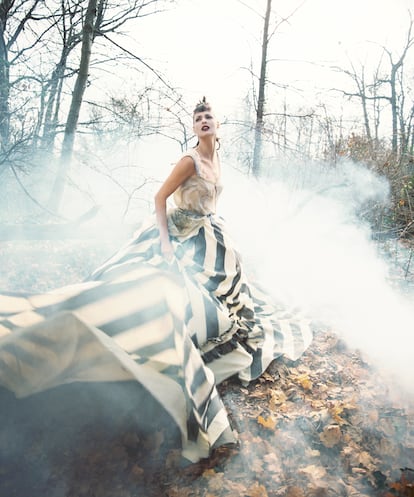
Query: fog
[(299, 230), (302, 235)]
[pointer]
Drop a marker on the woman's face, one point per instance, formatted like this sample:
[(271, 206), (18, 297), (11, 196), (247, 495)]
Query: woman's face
[(205, 123)]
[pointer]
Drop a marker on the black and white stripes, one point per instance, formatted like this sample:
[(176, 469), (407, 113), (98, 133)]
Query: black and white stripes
[(138, 318)]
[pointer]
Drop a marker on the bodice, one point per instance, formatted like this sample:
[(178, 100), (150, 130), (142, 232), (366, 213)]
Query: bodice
[(197, 194)]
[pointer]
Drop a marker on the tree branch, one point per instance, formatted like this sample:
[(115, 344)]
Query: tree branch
[(125, 50)]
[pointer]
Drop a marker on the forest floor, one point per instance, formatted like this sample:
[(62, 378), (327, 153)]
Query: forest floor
[(330, 424)]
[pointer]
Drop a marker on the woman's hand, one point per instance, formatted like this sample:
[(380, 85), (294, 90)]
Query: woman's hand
[(167, 251), (181, 172)]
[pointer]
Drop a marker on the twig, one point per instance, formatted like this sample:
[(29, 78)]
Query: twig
[(408, 264), (26, 191)]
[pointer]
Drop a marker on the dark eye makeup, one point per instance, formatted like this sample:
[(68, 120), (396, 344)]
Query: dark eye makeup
[(207, 116)]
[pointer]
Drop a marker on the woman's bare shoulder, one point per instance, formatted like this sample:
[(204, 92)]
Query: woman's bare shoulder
[(190, 159)]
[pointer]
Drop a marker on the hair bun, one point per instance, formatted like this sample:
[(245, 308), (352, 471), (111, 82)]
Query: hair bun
[(202, 105)]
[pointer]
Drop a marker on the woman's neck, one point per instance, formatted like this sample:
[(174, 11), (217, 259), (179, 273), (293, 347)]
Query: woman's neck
[(207, 147)]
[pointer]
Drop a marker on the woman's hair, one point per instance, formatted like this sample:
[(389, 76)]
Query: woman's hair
[(202, 106)]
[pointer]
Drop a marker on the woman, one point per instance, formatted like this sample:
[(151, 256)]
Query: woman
[(172, 310)]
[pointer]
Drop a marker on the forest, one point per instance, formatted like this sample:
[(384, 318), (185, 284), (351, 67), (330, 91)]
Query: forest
[(89, 126), (56, 121)]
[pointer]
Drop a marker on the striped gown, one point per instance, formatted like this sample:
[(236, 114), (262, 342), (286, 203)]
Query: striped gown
[(177, 329)]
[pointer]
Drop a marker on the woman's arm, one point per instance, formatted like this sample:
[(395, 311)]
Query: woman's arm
[(181, 172)]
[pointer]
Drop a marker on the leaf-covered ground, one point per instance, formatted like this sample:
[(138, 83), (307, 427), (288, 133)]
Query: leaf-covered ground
[(328, 425)]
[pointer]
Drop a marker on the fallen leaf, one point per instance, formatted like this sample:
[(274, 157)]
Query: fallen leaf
[(234, 489), (274, 465), (365, 459), (269, 423), (336, 412), (330, 436), (304, 381), (294, 492), (312, 453), (313, 472), (268, 377), (277, 397), (257, 490), (208, 473)]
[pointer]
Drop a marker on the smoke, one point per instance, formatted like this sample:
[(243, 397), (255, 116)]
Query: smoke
[(81, 435), (300, 233), (303, 239), (301, 236)]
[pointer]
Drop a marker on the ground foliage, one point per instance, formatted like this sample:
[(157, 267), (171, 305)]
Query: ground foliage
[(329, 424)]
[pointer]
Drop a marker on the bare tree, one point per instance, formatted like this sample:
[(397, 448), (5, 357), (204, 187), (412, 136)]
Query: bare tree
[(100, 19), (77, 97), (70, 35), (396, 95), (262, 80), (14, 16), (4, 74), (258, 133), (373, 93), (364, 94)]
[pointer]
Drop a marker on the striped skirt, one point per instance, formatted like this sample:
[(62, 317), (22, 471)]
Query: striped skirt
[(177, 329)]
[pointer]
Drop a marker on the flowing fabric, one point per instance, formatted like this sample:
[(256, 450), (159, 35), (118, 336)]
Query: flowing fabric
[(177, 329)]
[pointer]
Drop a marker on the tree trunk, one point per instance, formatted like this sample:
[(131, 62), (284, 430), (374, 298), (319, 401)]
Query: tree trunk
[(364, 102), (404, 121), (394, 108), (51, 120), (258, 134), (76, 103), (4, 77)]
